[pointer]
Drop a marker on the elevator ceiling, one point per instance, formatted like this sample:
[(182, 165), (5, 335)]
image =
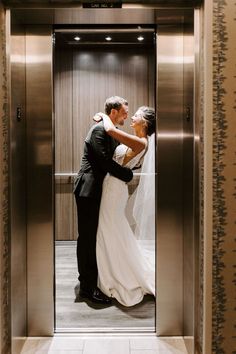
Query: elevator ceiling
[(138, 35), (102, 3)]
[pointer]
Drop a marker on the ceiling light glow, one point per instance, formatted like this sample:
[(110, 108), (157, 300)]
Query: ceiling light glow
[(108, 38), (77, 38), (140, 38)]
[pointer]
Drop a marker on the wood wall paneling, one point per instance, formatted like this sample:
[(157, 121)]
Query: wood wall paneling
[(84, 78), (64, 218)]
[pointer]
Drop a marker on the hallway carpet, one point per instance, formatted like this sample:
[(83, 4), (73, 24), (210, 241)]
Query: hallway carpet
[(72, 314)]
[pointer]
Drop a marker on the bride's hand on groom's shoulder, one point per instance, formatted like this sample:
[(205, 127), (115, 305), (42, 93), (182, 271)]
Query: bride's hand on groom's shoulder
[(98, 117)]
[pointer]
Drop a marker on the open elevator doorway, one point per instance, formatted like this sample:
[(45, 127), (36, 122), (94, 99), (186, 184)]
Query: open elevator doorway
[(91, 64)]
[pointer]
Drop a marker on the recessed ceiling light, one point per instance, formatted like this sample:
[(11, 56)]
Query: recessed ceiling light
[(140, 38), (108, 38), (77, 38)]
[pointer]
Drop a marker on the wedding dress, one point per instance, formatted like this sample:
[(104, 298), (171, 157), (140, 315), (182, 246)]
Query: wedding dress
[(125, 271)]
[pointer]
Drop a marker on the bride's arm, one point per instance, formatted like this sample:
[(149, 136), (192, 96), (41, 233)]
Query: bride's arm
[(134, 142)]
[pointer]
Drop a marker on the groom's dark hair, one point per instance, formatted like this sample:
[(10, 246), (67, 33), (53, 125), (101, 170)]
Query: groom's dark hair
[(114, 102)]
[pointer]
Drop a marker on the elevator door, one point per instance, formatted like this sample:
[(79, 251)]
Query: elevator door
[(85, 74)]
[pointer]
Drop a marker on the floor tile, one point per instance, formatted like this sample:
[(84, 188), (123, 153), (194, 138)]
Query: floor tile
[(66, 343), (44, 345), (160, 344), (30, 346), (65, 352), (138, 343), (107, 346), (17, 344), (104, 345), (144, 351), (171, 344)]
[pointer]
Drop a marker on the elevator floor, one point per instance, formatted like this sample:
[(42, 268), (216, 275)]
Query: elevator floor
[(72, 314)]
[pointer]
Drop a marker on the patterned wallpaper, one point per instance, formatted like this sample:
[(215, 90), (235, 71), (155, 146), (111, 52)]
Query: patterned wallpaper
[(199, 313), (224, 177), (4, 230)]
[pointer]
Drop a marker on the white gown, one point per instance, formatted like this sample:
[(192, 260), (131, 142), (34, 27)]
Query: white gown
[(124, 271)]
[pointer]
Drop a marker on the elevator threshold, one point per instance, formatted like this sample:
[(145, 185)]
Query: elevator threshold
[(106, 330)]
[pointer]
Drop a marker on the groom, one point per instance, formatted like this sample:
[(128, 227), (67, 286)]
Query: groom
[(96, 163)]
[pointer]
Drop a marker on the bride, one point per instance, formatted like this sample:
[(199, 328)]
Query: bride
[(124, 272)]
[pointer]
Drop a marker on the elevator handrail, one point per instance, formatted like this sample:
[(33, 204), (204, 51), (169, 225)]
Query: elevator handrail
[(73, 174), (69, 177)]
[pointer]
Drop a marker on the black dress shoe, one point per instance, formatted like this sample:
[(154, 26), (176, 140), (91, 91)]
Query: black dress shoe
[(95, 296)]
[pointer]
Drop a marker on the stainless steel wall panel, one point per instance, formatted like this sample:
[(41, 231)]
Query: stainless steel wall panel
[(169, 314), (85, 16), (188, 187), (93, 16), (39, 180), (196, 177), (125, 3), (18, 185)]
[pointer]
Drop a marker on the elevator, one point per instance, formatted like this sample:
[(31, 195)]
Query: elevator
[(37, 180), (91, 64)]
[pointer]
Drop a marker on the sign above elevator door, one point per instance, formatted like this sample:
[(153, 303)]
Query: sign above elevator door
[(109, 4)]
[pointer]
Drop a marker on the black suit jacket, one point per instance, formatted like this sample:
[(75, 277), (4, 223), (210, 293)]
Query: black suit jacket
[(97, 161)]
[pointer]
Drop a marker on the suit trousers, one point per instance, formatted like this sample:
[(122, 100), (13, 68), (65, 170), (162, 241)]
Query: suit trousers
[(88, 213)]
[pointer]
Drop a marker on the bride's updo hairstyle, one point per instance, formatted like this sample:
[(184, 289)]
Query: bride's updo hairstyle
[(114, 102), (149, 115)]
